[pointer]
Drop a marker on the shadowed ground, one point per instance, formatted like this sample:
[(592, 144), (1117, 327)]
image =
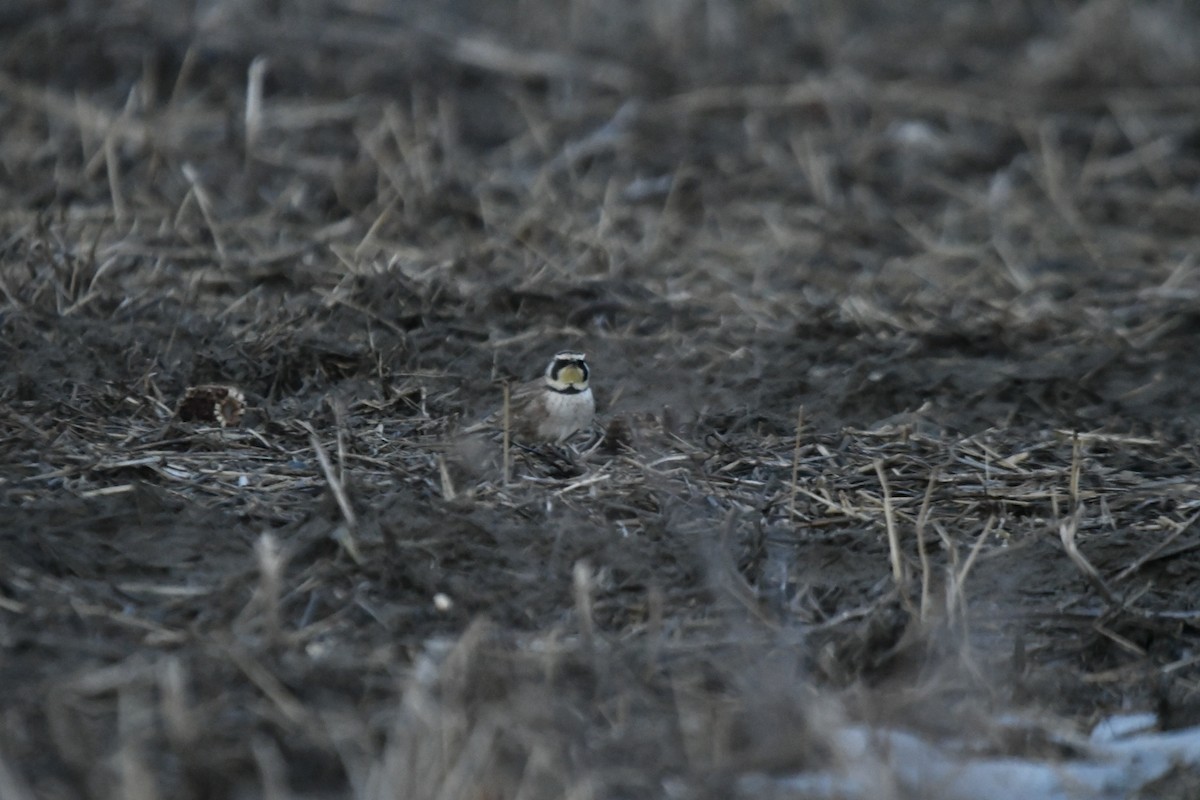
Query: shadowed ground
[(891, 310)]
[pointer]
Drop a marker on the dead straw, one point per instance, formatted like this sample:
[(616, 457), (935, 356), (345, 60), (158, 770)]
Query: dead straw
[(899, 567)]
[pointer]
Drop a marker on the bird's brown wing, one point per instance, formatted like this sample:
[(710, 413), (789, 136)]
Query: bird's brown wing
[(523, 402)]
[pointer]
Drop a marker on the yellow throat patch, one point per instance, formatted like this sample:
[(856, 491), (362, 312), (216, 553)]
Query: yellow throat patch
[(571, 375)]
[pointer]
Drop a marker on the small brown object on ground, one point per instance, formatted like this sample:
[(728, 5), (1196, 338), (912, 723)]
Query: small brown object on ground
[(213, 403)]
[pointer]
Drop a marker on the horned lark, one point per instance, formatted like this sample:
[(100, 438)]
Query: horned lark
[(550, 409)]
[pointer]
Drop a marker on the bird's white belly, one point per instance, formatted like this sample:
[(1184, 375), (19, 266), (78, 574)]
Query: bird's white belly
[(566, 414)]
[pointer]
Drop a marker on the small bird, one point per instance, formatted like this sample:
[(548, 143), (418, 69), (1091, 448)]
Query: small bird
[(552, 408)]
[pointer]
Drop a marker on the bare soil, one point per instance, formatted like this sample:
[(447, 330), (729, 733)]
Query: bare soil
[(892, 313)]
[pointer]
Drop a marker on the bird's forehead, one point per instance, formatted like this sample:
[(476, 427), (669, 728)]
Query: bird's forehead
[(569, 355)]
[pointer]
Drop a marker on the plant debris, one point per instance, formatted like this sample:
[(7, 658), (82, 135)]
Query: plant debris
[(890, 314)]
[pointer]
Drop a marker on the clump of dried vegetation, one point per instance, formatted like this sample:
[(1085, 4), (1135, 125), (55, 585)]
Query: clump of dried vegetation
[(891, 309)]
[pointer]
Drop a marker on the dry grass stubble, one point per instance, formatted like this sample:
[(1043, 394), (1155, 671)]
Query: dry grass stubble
[(892, 347)]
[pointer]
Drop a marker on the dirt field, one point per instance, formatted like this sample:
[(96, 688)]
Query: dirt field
[(892, 310)]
